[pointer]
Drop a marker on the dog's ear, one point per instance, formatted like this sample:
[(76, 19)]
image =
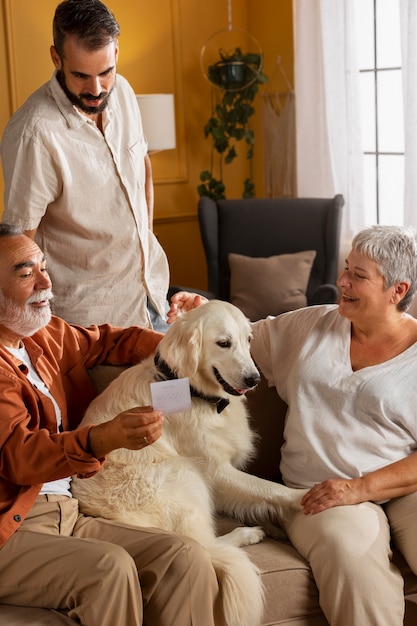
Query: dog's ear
[(181, 347)]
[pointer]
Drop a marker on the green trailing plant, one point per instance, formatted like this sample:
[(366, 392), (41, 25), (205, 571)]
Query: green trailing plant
[(238, 77)]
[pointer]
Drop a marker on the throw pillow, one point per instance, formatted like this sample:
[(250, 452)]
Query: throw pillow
[(270, 286)]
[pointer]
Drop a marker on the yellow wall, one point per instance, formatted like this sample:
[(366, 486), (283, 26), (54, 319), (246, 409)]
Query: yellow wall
[(5, 107), (160, 48)]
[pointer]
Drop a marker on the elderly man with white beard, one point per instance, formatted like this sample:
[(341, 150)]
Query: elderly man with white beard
[(95, 570)]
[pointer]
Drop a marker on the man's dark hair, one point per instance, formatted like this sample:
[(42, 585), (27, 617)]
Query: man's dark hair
[(89, 20), (10, 230)]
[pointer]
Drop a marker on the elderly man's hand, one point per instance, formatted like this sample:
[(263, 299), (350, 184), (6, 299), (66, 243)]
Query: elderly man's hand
[(183, 301), (335, 492), (133, 429)]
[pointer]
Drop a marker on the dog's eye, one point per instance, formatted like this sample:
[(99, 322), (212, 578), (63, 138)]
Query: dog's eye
[(224, 344)]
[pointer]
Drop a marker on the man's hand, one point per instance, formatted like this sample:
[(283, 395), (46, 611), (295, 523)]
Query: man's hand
[(335, 492), (183, 301), (133, 429)]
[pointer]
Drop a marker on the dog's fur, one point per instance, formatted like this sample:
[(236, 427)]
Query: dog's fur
[(180, 481)]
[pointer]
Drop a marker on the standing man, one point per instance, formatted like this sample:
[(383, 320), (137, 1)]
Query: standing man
[(100, 572), (78, 178)]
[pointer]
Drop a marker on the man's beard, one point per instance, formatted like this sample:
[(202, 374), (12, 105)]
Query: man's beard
[(79, 101), (27, 320)]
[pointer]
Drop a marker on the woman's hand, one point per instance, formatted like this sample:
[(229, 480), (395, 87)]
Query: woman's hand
[(392, 481), (335, 492), (183, 301)]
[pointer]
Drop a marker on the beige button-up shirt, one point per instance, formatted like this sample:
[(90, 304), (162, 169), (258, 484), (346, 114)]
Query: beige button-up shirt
[(84, 192)]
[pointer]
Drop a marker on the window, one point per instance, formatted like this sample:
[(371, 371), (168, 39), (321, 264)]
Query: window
[(379, 58)]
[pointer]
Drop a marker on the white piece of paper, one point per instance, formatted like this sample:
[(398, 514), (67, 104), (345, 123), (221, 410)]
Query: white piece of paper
[(171, 396)]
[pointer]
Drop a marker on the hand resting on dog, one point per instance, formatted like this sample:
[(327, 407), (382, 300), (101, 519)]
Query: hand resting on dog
[(181, 302)]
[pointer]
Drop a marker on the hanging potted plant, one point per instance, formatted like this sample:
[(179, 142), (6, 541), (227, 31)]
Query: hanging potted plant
[(237, 76)]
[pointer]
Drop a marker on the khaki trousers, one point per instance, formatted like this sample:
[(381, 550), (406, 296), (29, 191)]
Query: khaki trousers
[(104, 573), (349, 551)]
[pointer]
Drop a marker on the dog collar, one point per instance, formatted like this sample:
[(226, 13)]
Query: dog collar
[(164, 372)]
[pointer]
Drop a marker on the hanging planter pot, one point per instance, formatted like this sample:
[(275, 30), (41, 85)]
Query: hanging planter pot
[(235, 70), (232, 74), (237, 76)]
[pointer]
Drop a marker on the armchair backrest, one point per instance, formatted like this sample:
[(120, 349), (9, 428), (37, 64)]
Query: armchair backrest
[(267, 227)]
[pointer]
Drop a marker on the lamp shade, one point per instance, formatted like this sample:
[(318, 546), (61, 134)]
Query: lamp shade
[(158, 120)]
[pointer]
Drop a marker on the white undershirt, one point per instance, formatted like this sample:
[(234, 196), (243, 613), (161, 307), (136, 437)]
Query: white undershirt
[(55, 487)]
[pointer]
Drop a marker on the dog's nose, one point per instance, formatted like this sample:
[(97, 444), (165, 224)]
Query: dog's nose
[(252, 381)]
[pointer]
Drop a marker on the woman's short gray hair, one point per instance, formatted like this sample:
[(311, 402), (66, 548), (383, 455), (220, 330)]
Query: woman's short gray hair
[(394, 249)]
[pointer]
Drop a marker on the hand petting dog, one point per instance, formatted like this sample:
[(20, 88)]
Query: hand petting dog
[(183, 301)]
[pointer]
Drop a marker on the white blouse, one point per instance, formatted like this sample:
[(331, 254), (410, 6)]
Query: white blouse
[(340, 422)]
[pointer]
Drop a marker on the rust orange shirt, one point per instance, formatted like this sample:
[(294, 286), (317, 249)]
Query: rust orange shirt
[(31, 451)]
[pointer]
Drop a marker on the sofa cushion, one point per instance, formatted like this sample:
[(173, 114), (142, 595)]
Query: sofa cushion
[(270, 286)]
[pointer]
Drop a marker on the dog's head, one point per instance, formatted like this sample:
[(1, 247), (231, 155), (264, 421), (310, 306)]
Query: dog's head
[(211, 346)]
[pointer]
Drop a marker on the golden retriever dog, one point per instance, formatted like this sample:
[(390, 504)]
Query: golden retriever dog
[(195, 468)]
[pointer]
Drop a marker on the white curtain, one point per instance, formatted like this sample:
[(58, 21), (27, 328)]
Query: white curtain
[(328, 134), (408, 10), (278, 118)]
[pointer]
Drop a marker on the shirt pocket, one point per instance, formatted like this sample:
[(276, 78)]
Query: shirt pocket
[(136, 154)]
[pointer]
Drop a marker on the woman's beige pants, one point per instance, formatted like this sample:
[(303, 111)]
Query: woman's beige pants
[(349, 551)]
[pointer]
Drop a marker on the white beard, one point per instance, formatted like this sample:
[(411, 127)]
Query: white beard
[(25, 321)]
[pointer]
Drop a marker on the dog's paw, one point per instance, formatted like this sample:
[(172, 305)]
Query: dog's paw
[(252, 534), (243, 536)]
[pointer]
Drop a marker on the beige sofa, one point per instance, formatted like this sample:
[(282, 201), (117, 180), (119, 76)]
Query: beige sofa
[(291, 594)]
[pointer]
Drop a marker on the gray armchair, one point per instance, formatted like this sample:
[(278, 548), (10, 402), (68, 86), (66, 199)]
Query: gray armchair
[(272, 226)]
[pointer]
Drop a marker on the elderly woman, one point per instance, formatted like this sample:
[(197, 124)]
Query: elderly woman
[(348, 373)]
